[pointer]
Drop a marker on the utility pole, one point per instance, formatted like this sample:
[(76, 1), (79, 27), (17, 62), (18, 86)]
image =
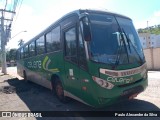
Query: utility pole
[(3, 49), (4, 38)]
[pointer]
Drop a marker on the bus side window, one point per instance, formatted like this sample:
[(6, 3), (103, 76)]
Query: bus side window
[(26, 55), (40, 48), (71, 45), (53, 40), (49, 42), (81, 51), (32, 49)]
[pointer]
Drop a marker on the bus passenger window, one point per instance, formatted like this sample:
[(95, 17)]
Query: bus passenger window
[(48, 42), (70, 45), (40, 48), (53, 40), (26, 52), (32, 49)]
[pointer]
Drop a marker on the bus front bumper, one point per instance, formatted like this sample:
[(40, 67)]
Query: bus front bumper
[(126, 94)]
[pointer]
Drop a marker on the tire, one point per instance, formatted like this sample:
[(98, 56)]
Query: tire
[(25, 76), (60, 92)]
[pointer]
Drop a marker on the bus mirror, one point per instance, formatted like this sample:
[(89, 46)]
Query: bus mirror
[(86, 28)]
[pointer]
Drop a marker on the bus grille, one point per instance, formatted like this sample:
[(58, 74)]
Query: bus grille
[(131, 91), (125, 85)]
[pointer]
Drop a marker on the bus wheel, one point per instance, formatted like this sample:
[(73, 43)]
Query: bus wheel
[(60, 92), (25, 76)]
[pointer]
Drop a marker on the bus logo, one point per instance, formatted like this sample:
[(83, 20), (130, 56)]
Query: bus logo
[(46, 63)]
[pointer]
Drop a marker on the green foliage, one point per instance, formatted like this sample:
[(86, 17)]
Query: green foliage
[(11, 55), (153, 30)]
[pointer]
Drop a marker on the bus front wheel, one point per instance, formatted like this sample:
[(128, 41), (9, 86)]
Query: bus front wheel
[(60, 92)]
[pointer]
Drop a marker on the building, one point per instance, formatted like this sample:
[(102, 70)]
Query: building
[(157, 44), (151, 48), (149, 40), (145, 40)]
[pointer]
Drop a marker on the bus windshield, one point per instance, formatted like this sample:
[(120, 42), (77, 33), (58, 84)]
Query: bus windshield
[(114, 40)]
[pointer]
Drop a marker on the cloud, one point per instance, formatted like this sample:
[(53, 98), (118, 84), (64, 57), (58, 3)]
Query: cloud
[(154, 19), (157, 13)]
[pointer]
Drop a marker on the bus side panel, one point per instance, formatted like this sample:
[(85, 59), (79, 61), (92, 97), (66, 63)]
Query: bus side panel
[(20, 68)]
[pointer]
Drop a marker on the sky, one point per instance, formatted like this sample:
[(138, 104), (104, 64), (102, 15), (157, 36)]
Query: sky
[(36, 15)]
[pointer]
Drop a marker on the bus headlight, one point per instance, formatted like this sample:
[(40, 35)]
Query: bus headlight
[(103, 83)]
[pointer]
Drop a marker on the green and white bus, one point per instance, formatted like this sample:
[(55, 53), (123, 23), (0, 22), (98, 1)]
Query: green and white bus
[(93, 56)]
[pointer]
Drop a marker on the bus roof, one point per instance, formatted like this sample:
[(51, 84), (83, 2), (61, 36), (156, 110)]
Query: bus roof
[(77, 12)]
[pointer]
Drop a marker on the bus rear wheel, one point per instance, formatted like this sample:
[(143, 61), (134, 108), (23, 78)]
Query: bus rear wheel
[(25, 76), (60, 92)]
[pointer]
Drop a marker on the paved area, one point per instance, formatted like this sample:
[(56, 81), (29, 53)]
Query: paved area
[(22, 96), (152, 94), (154, 74)]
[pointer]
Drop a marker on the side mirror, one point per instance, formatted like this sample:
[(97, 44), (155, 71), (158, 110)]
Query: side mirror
[(85, 27)]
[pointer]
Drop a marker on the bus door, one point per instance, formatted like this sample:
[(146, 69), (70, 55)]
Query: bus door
[(77, 77), (72, 83), (84, 76)]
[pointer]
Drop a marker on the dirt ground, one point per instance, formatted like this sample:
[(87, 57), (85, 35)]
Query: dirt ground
[(17, 95)]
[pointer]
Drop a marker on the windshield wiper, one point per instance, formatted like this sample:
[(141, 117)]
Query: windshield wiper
[(120, 48), (118, 53), (129, 41)]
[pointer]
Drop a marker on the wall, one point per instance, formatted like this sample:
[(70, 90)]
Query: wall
[(152, 56)]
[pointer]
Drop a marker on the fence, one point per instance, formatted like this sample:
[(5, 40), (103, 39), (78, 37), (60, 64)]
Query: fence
[(152, 56)]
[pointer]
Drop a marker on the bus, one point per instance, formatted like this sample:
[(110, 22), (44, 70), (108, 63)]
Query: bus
[(93, 56)]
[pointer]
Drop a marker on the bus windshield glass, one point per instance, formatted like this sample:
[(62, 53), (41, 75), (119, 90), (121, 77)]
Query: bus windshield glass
[(114, 40)]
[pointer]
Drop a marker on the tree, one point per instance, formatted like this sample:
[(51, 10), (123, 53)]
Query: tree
[(20, 42), (140, 30), (159, 26), (11, 55)]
